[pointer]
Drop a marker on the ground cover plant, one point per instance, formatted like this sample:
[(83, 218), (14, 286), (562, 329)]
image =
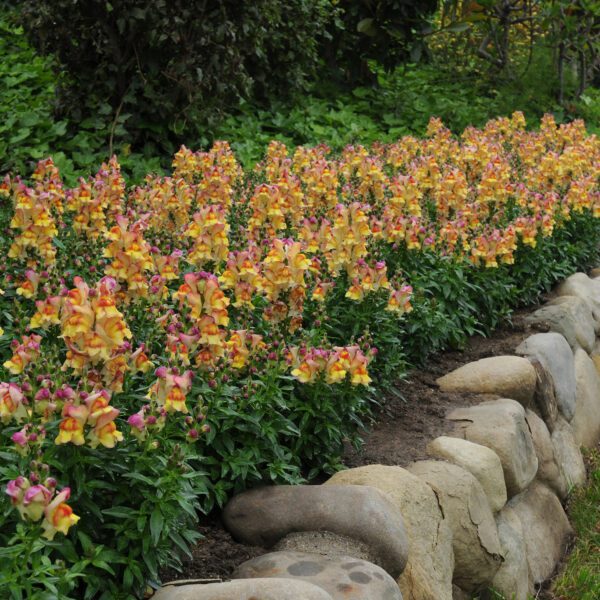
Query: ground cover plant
[(167, 344)]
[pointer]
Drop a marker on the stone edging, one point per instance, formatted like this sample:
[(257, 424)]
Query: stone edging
[(485, 511)]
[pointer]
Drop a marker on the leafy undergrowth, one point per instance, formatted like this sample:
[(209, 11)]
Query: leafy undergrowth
[(581, 576)]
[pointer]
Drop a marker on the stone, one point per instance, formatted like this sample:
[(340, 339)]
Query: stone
[(595, 272), (546, 529), (328, 544), (477, 551), (341, 576), (569, 316), (479, 460), (500, 425), (263, 516), (512, 578), (458, 594), (556, 356), (244, 589), (568, 455), (506, 376), (587, 289), (595, 356), (586, 422), (428, 573), (549, 471), (545, 396)]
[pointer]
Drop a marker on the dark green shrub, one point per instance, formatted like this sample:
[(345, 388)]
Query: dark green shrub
[(155, 67)]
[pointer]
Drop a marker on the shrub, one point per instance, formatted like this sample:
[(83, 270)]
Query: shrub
[(167, 67)]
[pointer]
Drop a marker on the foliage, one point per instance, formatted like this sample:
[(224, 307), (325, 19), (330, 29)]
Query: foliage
[(29, 129), (171, 343), (385, 31), (158, 69), (505, 34)]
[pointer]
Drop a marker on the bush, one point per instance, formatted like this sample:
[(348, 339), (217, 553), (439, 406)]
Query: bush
[(30, 130), (388, 32), (161, 69)]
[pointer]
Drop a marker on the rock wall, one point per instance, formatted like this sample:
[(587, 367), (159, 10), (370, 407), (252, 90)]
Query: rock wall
[(484, 512)]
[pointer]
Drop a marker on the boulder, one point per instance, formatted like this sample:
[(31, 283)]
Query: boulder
[(595, 356), (586, 422), (500, 425), (326, 543), (587, 289), (568, 454), (506, 376), (244, 589), (479, 460), (341, 576), (428, 573), (545, 403), (549, 471), (556, 356), (477, 551), (571, 317), (546, 529), (512, 579), (263, 516), (458, 594)]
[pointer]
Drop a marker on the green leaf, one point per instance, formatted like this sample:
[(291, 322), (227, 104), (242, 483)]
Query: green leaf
[(156, 525), (367, 26)]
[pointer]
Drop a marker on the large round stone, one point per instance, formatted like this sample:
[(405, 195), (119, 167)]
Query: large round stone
[(428, 573), (556, 356), (549, 470), (506, 376), (500, 425), (342, 577), (546, 529), (586, 422), (587, 289), (244, 589), (263, 516), (512, 579), (571, 317), (567, 453), (477, 551), (479, 460), (326, 543)]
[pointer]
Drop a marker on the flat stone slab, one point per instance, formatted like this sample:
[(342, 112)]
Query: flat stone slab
[(245, 589), (546, 529), (342, 577), (571, 317), (428, 573), (586, 422), (506, 376), (263, 516), (477, 550), (482, 462), (555, 355), (500, 425)]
